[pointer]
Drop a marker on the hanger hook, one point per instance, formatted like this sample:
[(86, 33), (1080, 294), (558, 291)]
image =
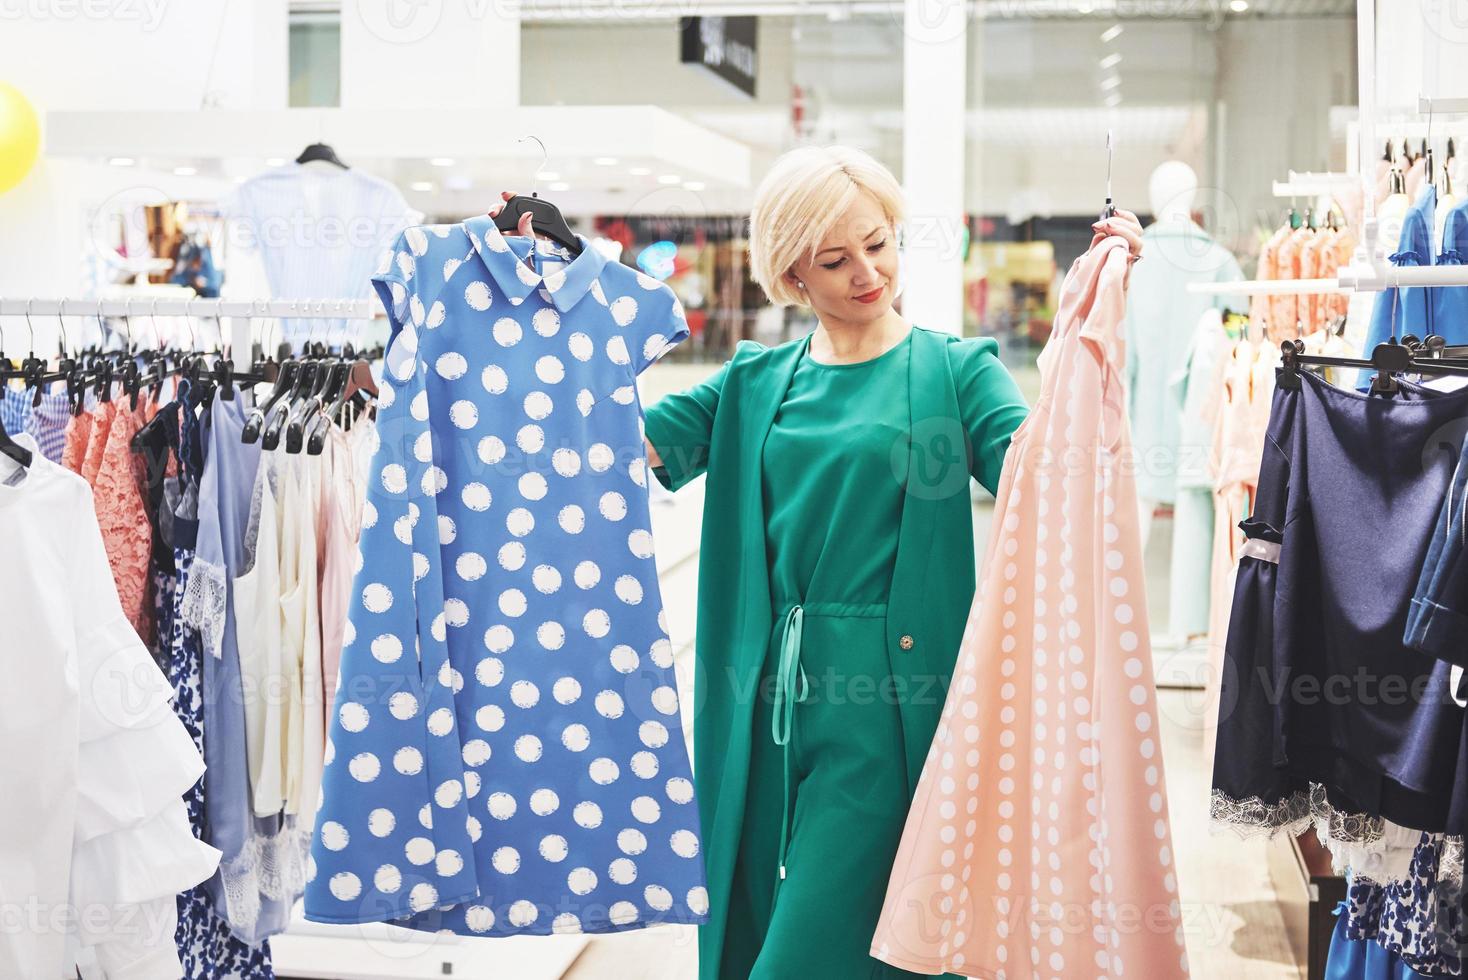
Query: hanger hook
[(189, 322), (30, 326), (544, 159), (61, 323)]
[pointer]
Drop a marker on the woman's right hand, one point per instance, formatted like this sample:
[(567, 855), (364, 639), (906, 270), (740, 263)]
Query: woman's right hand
[(523, 228)]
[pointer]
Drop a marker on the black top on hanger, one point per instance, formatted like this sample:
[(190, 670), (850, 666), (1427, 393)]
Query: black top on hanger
[(546, 220), (322, 152)]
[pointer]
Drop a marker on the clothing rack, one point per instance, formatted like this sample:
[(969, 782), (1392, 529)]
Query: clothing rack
[(1356, 278), (234, 315)]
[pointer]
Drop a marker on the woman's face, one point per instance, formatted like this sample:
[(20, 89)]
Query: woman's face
[(853, 276)]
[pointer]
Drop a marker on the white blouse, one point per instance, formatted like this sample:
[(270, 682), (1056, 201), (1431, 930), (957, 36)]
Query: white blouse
[(94, 837)]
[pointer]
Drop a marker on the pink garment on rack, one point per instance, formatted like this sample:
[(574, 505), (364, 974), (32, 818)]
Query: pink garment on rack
[(78, 435), (1038, 836), (1261, 306), (117, 493)]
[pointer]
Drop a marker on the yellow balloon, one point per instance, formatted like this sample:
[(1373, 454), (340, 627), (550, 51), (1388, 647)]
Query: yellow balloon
[(20, 136)]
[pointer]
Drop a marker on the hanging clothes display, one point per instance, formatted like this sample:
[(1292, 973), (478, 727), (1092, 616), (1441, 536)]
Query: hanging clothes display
[(173, 479), (1377, 774), (101, 825), (1051, 721), (507, 609), (1288, 762)]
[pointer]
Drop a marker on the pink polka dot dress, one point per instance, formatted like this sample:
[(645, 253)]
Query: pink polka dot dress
[(1038, 844)]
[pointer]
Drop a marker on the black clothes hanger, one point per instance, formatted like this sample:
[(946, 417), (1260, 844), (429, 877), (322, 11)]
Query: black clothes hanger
[(14, 450), (1387, 360), (284, 381), (546, 220), (321, 152)]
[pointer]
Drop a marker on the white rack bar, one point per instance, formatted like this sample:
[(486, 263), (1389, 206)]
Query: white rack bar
[(1312, 184), (1374, 278), (300, 309), (1268, 287), (1441, 107)]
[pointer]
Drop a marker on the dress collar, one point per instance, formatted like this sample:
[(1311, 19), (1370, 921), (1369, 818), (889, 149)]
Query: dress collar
[(505, 259)]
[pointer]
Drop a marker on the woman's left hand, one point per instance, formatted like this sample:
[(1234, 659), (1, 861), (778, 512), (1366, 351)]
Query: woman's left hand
[(1125, 225)]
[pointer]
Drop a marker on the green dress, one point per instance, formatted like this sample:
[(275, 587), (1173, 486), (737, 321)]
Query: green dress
[(829, 769)]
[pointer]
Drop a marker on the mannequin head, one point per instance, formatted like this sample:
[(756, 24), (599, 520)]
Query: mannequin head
[(1172, 189)]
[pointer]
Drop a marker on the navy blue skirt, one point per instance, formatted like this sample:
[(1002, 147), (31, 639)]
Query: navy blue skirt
[(1325, 711)]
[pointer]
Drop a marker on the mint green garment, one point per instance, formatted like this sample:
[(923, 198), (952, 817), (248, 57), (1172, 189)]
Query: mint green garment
[(1161, 318)]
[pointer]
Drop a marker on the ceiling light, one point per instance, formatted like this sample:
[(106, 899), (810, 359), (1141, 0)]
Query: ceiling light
[(1238, 6), (184, 171), (669, 179), (560, 185), (1113, 100), (638, 171), (1084, 7), (423, 186), (1111, 33), (1111, 60), (693, 185), (605, 161), (122, 161), (441, 161), (1110, 82)]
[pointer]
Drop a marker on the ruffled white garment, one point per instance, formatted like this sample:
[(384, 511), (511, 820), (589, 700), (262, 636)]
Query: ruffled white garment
[(94, 837)]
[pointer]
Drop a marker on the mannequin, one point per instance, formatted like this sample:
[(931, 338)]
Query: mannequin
[(1171, 191), (1162, 329)]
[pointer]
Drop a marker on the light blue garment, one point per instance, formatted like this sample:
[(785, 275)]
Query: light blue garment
[(1161, 318), (251, 890), (1362, 959), (1192, 521), (506, 752), (320, 233), (45, 422), (1398, 312), (1450, 303)]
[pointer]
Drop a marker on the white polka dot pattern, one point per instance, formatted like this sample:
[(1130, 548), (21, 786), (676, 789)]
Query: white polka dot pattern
[(504, 754), (1037, 844)]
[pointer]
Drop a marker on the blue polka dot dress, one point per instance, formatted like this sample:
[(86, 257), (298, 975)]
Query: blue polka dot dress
[(505, 755)]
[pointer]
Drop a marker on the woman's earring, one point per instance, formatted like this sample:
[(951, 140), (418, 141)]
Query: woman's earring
[(799, 284)]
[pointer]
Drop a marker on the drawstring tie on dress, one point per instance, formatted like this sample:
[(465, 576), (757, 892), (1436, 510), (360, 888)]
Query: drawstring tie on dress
[(791, 687)]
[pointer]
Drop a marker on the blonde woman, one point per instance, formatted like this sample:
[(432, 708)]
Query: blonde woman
[(836, 570)]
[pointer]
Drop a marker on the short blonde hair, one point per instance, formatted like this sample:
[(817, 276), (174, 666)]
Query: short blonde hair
[(800, 200)]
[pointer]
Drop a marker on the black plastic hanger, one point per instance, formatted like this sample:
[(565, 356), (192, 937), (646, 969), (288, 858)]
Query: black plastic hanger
[(14, 450), (546, 220), (321, 152)]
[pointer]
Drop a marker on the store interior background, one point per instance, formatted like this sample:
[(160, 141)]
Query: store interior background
[(994, 114), (1240, 97)]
